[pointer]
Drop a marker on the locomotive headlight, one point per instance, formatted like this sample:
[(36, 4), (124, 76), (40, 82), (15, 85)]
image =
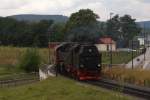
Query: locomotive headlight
[(82, 66), (99, 65)]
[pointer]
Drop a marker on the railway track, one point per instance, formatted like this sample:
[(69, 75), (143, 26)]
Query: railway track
[(138, 91)]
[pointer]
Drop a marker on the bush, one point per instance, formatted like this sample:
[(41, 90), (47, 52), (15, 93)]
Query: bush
[(30, 60)]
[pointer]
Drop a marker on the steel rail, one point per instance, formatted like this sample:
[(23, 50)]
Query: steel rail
[(138, 91)]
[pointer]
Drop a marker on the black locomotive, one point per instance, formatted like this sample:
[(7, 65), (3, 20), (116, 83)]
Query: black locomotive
[(81, 61)]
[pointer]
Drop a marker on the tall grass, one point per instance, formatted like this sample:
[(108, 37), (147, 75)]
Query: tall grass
[(10, 56), (136, 76)]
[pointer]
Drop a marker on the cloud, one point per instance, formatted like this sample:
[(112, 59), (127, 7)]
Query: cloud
[(144, 1), (12, 4), (137, 8)]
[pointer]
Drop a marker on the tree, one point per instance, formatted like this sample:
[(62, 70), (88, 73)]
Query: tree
[(58, 32), (23, 33), (113, 26), (82, 26), (128, 29), (41, 32), (122, 29)]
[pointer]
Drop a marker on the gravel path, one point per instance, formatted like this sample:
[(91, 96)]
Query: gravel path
[(139, 61)]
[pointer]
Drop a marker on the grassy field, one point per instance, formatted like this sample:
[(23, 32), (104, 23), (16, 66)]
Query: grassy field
[(7, 69), (9, 57), (118, 57), (59, 89)]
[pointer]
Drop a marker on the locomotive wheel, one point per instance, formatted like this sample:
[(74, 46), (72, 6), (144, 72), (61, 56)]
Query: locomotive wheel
[(72, 75), (76, 77), (63, 70), (58, 68)]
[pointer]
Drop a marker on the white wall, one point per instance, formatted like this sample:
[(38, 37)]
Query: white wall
[(103, 47), (141, 40), (47, 71)]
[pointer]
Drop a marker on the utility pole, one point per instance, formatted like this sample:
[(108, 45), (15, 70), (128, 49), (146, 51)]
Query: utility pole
[(49, 43), (50, 32), (111, 54), (132, 54), (144, 43), (111, 42)]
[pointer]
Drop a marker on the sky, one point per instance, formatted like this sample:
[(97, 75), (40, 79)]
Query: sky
[(138, 9)]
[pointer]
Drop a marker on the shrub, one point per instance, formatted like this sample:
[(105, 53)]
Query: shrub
[(30, 60)]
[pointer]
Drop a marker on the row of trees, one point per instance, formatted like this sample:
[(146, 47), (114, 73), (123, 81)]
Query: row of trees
[(82, 26), (24, 33)]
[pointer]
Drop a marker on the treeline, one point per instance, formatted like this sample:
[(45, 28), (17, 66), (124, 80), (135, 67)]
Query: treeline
[(82, 26), (24, 33)]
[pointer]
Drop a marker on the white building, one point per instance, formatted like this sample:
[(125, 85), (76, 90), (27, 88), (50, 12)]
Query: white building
[(141, 39), (106, 44)]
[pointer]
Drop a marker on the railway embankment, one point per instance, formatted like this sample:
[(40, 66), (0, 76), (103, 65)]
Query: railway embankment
[(59, 88)]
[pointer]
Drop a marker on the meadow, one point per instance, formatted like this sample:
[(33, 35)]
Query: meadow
[(119, 57), (9, 57), (59, 88)]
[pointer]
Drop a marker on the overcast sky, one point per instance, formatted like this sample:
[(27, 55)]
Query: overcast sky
[(139, 9)]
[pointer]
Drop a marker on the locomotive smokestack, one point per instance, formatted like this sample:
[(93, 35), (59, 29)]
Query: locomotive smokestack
[(84, 34)]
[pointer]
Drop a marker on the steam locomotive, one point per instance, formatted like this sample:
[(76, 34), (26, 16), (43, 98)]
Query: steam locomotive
[(81, 61)]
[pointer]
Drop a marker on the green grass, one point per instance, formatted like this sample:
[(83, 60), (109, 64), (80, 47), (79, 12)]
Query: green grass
[(18, 76), (10, 55), (59, 89), (8, 69), (118, 57)]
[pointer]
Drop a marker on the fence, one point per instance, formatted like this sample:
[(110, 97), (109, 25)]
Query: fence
[(119, 57)]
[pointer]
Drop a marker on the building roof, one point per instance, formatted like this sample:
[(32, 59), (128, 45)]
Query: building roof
[(106, 40)]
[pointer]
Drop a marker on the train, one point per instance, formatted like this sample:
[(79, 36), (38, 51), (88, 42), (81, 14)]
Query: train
[(80, 61)]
